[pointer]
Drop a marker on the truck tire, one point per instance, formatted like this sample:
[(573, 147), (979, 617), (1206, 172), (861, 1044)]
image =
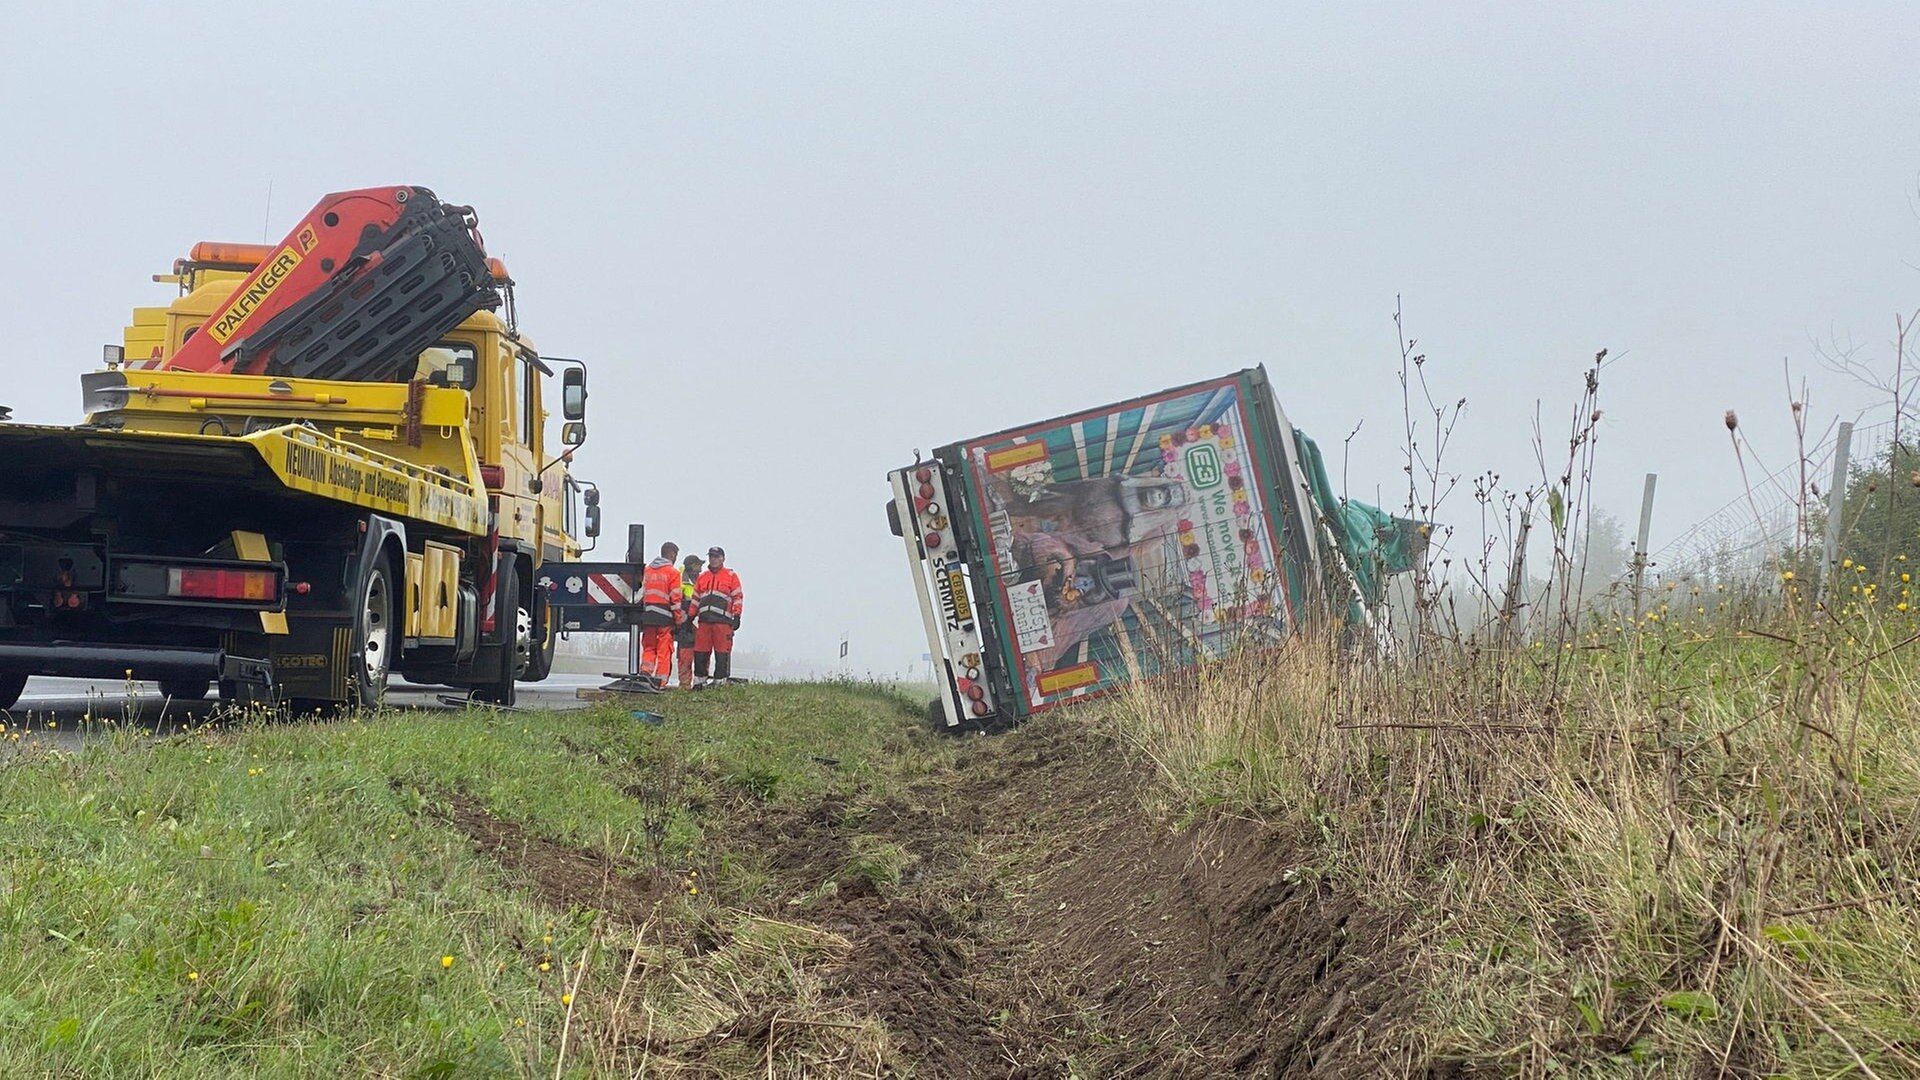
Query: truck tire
[(184, 690), (499, 691), (526, 651), (374, 641), (11, 687), (540, 659)]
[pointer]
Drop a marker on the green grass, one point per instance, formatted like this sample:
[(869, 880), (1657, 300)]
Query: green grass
[(287, 900), (1683, 848)]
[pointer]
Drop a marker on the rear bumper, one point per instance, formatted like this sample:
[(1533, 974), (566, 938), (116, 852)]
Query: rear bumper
[(83, 660)]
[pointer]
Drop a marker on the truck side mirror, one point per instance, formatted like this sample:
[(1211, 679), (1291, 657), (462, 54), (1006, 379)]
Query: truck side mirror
[(573, 433), (593, 522), (573, 396), (592, 495)]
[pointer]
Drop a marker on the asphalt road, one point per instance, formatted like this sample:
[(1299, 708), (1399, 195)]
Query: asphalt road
[(65, 713)]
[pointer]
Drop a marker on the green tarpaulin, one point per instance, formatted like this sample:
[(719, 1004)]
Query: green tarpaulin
[(1374, 543)]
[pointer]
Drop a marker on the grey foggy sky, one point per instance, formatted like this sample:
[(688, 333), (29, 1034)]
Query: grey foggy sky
[(822, 235)]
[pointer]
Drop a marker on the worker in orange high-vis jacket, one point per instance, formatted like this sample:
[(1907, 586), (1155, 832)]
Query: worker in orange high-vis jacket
[(718, 599), (683, 634), (660, 612)]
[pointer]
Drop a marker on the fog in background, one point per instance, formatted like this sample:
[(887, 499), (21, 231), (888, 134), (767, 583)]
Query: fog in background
[(795, 242)]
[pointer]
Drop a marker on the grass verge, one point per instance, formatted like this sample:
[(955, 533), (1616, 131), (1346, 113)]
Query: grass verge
[(299, 900), (1687, 850)]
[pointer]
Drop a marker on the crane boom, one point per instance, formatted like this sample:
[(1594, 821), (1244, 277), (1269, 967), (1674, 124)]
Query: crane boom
[(361, 285)]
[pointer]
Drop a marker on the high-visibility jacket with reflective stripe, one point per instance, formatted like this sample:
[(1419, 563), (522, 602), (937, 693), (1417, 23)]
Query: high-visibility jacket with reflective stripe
[(719, 595), (659, 593), (685, 608)]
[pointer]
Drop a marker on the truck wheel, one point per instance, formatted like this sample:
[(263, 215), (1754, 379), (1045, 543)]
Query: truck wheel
[(524, 648), (500, 690), (373, 639), (186, 689), (11, 686), (540, 657)]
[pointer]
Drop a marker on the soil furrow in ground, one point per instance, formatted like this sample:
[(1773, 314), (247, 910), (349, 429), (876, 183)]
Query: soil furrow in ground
[(1021, 914), (1046, 923)]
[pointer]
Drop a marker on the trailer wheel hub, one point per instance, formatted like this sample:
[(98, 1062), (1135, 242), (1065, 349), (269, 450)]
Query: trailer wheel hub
[(522, 642)]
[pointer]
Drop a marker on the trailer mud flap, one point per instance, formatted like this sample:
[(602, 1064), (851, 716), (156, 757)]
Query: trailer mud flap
[(311, 660)]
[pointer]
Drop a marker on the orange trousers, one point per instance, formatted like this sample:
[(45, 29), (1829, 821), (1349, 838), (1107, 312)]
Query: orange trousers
[(656, 651), (713, 641)]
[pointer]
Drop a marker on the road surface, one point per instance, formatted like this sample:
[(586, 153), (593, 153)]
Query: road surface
[(65, 713)]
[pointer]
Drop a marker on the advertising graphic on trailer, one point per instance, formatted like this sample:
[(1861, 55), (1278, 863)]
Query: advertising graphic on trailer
[(1130, 541)]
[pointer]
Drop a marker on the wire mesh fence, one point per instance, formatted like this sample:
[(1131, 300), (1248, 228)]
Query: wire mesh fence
[(1778, 520)]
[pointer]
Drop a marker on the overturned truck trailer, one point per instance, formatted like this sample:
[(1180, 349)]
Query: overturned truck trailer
[(1058, 561)]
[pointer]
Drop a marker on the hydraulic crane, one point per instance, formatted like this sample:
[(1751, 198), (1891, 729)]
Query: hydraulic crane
[(362, 284)]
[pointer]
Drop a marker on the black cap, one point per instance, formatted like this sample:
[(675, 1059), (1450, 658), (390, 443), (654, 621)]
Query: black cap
[(717, 550)]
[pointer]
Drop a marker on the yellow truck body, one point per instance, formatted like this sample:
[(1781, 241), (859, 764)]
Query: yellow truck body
[(399, 525)]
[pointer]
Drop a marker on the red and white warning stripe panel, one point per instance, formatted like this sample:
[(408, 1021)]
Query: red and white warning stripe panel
[(609, 589), (590, 584)]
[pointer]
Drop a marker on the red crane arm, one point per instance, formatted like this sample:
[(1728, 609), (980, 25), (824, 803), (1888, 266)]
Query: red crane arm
[(361, 285)]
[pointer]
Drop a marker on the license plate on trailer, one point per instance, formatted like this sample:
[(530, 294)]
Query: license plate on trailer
[(957, 584)]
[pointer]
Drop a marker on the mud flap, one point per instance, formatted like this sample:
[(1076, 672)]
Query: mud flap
[(311, 661)]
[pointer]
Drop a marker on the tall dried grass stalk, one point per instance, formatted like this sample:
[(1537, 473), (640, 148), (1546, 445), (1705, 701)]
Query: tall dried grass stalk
[(1674, 850)]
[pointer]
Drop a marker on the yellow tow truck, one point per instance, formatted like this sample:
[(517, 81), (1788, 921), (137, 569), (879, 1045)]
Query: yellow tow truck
[(325, 462)]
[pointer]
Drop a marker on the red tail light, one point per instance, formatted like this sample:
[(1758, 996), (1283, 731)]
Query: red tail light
[(263, 585)]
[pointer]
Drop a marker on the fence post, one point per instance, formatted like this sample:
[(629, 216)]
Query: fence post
[(1640, 543), (1836, 504), (1516, 581)]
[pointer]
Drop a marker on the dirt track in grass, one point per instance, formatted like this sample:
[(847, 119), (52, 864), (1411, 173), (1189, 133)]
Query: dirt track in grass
[(1020, 915)]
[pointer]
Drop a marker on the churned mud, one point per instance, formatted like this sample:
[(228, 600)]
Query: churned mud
[(1020, 915)]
